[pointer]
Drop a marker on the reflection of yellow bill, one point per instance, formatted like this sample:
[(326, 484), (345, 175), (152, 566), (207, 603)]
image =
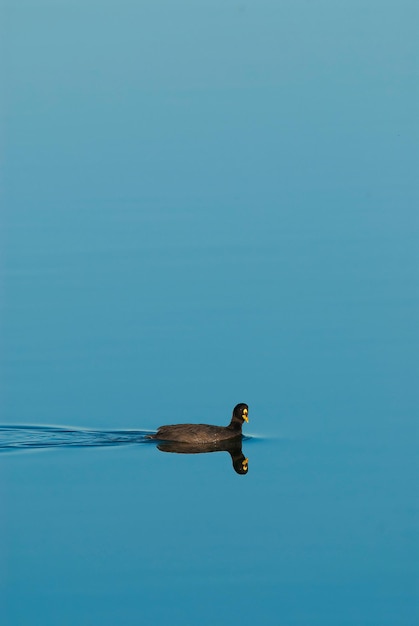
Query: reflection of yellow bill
[(245, 464)]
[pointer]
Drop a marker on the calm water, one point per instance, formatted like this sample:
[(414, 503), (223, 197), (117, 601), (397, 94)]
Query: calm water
[(205, 204)]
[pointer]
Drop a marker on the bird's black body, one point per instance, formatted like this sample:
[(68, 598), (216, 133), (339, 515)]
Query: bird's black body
[(205, 433)]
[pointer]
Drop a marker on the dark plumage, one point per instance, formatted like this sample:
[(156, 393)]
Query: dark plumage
[(205, 433)]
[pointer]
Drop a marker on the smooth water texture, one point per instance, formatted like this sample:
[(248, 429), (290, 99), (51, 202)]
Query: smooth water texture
[(206, 203)]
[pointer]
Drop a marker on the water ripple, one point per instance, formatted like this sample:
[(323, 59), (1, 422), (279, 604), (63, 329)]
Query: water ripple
[(32, 437)]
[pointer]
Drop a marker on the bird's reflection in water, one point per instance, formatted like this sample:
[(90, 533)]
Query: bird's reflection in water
[(234, 448)]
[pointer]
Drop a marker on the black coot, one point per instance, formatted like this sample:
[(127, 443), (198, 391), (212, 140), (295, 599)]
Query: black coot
[(205, 433)]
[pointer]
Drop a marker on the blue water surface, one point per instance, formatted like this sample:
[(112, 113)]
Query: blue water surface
[(206, 203)]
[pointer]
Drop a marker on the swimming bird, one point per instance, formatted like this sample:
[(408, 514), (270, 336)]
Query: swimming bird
[(205, 433)]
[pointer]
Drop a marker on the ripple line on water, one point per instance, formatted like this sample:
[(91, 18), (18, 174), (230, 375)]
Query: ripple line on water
[(33, 437)]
